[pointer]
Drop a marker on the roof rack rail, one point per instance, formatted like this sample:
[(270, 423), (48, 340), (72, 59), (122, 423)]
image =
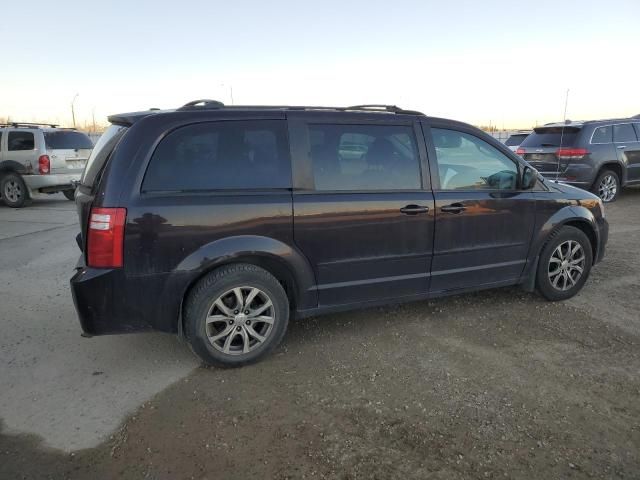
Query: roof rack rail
[(382, 108), (202, 103), (215, 104), (29, 124)]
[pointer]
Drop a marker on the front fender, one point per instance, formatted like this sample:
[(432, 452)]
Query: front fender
[(567, 214), (240, 248)]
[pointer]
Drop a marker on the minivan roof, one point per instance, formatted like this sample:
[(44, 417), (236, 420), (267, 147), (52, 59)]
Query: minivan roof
[(213, 105)]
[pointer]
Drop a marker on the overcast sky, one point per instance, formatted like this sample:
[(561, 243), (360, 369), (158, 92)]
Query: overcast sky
[(505, 62)]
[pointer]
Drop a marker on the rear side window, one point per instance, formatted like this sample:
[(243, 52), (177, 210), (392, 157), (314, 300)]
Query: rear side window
[(624, 133), (636, 125), (364, 157), (552, 137), (20, 141), (602, 134), (67, 140), (221, 156)]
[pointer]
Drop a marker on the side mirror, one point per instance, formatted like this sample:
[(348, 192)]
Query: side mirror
[(529, 177)]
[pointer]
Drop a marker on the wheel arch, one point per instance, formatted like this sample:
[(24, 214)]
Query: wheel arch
[(575, 216), (616, 167), (284, 262)]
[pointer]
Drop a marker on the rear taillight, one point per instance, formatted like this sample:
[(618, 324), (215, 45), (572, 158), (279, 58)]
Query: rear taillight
[(520, 151), (571, 153), (44, 165), (105, 239)]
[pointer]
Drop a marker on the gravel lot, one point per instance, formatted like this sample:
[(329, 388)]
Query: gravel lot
[(498, 384)]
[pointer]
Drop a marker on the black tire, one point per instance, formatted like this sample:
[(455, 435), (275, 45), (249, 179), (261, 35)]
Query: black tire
[(14, 191), (603, 191), (70, 194), (546, 266), (201, 302)]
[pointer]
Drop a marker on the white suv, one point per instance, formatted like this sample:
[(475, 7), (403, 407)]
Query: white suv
[(40, 158)]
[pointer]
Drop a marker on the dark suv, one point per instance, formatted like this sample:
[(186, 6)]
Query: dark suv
[(220, 223), (600, 155)]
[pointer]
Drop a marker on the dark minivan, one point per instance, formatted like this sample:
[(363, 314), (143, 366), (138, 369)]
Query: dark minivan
[(220, 223)]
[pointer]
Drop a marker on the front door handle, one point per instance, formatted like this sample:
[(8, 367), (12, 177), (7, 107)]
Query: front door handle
[(453, 208), (414, 209)]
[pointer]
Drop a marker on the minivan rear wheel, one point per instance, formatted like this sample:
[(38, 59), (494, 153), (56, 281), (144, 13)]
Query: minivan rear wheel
[(235, 315), (14, 191), (564, 264), (607, 186)]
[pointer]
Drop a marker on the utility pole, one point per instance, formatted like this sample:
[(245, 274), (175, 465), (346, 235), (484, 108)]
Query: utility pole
[(73, 112)]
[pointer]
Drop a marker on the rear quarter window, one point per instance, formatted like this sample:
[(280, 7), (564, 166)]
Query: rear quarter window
[(602, 134), (223, 155), (20, 141)]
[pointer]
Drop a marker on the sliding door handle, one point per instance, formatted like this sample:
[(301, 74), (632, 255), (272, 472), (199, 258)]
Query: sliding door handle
[(453, 208), (414, 209)]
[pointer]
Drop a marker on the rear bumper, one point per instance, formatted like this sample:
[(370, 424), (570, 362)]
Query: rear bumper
[(109, 302), (577, 175), (51, 183)]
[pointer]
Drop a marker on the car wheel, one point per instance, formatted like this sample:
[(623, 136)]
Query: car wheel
[(564, 264), (235, 315), (70, 194), (607, 186), (14, 191)]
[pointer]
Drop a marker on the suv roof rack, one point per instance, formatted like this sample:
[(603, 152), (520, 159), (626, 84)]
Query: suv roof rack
[(28, 124), (215, 104)]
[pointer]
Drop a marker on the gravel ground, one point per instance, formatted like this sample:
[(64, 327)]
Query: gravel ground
[(498, 384)]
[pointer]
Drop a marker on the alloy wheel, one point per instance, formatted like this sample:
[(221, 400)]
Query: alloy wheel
[(608, 188), (566, 265), (12, 191), (240, 320)]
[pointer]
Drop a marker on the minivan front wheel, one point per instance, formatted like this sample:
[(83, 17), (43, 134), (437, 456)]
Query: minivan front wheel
[(236, 315), (607, 186), (564, 264)]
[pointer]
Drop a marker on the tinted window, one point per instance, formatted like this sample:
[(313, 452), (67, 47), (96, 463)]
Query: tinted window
[(602, 135), (364, 157), (551, 137), (221, 155), (637, 126), (67, 140), (624, 133), (515, 140), (466, 162), (20, 141)]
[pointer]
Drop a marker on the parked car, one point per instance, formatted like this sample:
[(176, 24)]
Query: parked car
[(40, 158), (600, 155), (515, 139), (220, 223)]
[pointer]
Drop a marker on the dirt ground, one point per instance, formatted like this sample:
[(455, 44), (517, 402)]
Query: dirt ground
[(497, 384)]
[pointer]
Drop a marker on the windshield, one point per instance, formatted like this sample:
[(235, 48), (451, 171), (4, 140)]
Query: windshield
[(552, 137), (515, 140), (67, 140), (100, 153)]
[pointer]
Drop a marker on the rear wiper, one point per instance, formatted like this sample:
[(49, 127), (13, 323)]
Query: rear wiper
[(547, 145)]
